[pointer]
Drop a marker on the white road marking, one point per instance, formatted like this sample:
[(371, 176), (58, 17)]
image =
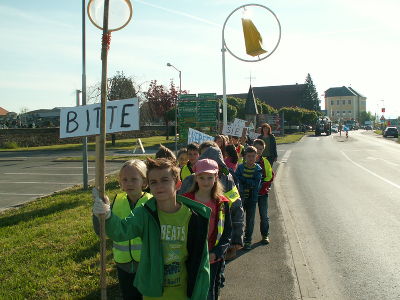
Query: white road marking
[(45, 174), (372, 173), (286, 156), (16, 194), (63, 167), (384, 160)]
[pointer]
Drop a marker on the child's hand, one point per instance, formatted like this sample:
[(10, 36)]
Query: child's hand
[(212, 257), (100, 207)]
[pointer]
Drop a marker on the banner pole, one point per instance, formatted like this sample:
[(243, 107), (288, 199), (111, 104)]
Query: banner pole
[(100, 149)]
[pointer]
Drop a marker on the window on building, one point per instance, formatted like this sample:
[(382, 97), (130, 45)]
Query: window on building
[(338, 112), (344, 102), (332, 102), (344, 112), (337, 102), (348, 101), (349, 112)]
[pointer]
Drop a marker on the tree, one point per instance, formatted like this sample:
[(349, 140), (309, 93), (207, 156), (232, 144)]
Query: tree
[(365, 116), (161, 100), (264, 108), (293, 115), (310, 99)]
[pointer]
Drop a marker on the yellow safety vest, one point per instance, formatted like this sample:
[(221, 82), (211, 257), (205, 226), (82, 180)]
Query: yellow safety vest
[(185, 172), (240, 157), (232, 195), (267, 170), (127, 251)]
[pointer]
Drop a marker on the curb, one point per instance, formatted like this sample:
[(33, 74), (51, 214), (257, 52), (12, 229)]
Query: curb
[(307, 288)]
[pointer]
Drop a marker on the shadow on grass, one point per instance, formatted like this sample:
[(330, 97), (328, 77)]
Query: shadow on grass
[(42, 212), (92, 251), (112, 293)]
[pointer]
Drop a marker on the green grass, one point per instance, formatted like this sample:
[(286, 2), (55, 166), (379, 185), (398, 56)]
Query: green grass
[(289, 138), (126, 144), (50, 251)]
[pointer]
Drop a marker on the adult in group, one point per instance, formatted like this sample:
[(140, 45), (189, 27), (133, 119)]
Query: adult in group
[(270, 144)]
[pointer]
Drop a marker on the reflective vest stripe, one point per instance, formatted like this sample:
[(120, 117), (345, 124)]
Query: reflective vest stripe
[(126, 248), (221, 222)]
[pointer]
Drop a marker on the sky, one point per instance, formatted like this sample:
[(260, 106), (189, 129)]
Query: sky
[(339, 42)]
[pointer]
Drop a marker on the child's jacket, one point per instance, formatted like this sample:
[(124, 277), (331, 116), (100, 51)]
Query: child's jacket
[(143, 222), (250, 185)]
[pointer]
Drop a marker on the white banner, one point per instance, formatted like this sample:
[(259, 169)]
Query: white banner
[(198, 137), (234, 129), (239, 123), (121, 115), (253, 135)]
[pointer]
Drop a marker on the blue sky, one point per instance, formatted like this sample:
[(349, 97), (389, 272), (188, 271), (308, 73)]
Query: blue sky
[(338, 42)]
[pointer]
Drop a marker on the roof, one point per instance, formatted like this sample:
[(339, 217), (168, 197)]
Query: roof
[(341, 91), (250, 107), (3, 112), (278, 96)]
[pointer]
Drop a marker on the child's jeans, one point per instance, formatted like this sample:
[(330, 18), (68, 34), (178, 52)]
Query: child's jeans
[(263, 210), (249, 206), (215, 284)]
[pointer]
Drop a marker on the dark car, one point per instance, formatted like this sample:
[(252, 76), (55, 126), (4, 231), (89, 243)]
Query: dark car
[(391, 131), (368, 127)]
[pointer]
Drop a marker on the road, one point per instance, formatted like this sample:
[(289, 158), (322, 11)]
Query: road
[(26, 176), (342, 198)]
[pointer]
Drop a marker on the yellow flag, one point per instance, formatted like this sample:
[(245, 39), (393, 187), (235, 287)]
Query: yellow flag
[(252, 38)]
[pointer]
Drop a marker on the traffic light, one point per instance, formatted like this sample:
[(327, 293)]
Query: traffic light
[(252, 38)]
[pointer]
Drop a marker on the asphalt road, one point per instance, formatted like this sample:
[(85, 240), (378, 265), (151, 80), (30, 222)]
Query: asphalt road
[(25, 176), (342, 198)]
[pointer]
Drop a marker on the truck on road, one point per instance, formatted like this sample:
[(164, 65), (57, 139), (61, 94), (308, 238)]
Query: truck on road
[(323, 125)]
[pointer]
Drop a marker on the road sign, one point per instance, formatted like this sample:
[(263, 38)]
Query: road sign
[(382, 118)]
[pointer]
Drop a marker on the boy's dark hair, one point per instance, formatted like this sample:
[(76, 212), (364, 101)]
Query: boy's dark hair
[(259, 142), (164, 152), (231, 151), (250, 149), (193, 147), (181, 151), (207, 144), (161, 164)]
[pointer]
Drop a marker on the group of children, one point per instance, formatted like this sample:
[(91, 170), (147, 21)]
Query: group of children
[(179, 219)]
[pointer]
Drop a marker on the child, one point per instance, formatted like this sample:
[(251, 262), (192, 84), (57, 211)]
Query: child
[(235, 141), (207, 189), (182, 157), (232, 157), (174, 262), (249, 176), (220, 141), (267, 178), (193, 156), (164, 152), (132, 179)]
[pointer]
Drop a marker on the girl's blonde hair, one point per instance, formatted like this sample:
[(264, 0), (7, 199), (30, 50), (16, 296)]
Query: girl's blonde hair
[(139, 165), (216, 191)]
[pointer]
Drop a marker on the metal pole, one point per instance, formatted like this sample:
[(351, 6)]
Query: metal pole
[(176, 114), (224, 102), (84, 140), (100, 151)]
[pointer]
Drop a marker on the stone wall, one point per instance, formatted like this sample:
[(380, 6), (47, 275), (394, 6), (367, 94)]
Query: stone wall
[(31, 137)]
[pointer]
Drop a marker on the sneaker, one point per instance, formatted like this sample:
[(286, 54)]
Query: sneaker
[(247, 246), (265, 240)]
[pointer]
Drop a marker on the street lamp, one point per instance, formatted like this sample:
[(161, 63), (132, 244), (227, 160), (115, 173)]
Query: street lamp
[(176, 107)]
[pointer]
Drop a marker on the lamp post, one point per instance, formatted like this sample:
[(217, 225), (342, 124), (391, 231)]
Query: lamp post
[(176, 107)]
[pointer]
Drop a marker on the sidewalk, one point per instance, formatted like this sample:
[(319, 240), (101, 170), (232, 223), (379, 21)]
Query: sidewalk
[(266, 271)]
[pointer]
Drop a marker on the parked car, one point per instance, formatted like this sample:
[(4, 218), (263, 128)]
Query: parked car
[(391, 131), (334, 129), (368, 127)]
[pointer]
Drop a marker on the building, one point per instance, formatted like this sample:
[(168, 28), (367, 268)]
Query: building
[(344, 103), (41, 118), (278, 96)]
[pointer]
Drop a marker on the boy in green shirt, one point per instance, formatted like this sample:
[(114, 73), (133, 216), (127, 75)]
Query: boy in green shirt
[(174, 262)]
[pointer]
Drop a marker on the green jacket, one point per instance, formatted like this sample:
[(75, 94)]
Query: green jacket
[(143, 222)]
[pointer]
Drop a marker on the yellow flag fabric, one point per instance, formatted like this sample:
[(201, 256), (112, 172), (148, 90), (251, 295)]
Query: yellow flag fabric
[(252, 38)]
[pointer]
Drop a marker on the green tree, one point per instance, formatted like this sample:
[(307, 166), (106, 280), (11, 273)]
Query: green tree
[(366, 116), (264, 108), (309, 117), (310, 99), (292, 115)]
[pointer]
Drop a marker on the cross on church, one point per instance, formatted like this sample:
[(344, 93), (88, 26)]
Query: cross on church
[(250, 78)]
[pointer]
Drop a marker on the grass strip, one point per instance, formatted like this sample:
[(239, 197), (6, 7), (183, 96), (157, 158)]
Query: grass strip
[(50, 251)]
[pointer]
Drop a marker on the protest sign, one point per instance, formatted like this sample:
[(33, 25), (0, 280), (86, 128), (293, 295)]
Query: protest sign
[(239, 122), (253, 135), (198, 137), (234, 129), (122, 115)]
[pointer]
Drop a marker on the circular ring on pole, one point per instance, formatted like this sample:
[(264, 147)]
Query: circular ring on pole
[(95, 11), (250, 60)]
